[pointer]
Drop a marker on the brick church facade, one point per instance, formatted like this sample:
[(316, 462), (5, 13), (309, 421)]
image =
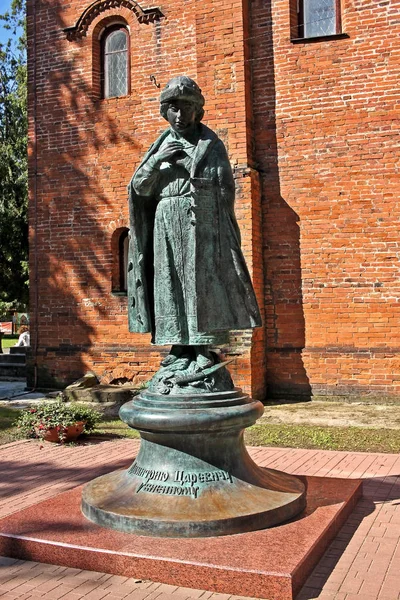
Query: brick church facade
[(304, 97)]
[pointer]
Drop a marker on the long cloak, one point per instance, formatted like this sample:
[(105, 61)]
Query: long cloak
[(225, 297)]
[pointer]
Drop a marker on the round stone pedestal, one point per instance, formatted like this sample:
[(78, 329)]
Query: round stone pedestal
[(193, 476)]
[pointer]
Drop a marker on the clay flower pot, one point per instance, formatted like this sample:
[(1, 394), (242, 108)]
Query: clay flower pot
[(57, 421), (70, 433)]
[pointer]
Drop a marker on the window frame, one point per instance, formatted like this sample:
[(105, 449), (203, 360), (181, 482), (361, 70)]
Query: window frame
[(103, 65), (299, 27)]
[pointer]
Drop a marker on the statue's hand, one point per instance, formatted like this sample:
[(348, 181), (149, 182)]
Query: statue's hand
[(170, 152)]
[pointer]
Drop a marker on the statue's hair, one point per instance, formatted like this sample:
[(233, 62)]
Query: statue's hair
[(182, 88)]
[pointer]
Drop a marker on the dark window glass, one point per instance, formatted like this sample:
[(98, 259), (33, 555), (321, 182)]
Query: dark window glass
[(115, 63), (123, 260)]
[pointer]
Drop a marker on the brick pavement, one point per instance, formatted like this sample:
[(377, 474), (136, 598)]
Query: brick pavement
[(362, 563)]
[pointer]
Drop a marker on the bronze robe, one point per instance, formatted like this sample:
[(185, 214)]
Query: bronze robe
[(187, 278)]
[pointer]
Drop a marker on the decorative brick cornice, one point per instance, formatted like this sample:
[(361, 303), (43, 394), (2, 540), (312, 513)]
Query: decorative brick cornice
[(79, 30)]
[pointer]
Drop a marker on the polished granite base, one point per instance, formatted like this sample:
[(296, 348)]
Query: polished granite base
[(271, 563)]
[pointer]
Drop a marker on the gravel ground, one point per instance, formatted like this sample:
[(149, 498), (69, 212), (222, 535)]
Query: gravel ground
[(334, 413)]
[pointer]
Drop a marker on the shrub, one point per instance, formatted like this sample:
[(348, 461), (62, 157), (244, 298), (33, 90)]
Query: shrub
[(34, 422)]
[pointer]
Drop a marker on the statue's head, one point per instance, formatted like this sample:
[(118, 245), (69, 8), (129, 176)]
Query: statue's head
[(184, 90)]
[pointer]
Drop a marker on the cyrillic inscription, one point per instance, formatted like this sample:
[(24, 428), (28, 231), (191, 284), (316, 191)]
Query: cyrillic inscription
[(184, 481), (148, 474), (202, 477), (170, 490)]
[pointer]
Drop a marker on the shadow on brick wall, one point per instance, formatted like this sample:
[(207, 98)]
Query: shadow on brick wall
[(285, 325), (71, 133)]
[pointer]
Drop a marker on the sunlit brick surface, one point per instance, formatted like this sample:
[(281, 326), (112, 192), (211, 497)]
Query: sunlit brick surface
[(310, 130)]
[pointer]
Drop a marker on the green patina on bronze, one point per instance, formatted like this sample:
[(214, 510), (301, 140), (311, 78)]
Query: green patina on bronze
[(188, 285), (193, 476)]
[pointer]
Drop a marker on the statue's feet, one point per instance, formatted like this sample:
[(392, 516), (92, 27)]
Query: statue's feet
[(204, 358), (187, 372), (175, 353)]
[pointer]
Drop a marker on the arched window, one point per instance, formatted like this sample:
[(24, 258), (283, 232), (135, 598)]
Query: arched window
[(115, 62)]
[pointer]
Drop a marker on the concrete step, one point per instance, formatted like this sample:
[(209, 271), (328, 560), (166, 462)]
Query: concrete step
[(12, 370), (19, 359), (19, 349)]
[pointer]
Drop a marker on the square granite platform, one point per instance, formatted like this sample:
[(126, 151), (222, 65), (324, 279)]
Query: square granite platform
[(271, 563)]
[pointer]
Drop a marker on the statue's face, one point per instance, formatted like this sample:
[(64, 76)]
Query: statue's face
[(181, 115)]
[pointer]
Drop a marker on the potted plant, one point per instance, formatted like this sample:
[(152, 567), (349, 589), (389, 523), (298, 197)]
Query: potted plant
[(56, 421)]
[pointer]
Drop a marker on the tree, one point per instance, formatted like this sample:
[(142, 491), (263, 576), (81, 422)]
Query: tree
[(13, 161)]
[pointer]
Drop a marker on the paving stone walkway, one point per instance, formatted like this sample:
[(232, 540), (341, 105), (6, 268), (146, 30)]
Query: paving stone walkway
[(362, 563)]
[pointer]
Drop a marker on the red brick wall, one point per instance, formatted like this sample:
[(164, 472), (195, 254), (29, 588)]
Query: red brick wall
[(85, 150), (310, 131), (326, 119)]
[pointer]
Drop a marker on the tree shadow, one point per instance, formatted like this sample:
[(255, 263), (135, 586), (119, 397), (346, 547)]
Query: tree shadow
[(17, 478), (98, 437), (77, 201), (284, 321)]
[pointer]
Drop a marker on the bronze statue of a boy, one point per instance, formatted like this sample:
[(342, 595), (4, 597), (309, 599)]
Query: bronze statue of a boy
[(188, 283)]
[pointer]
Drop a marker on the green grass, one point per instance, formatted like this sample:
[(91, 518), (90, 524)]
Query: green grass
[(112, 427), (7, 342), (8, 433), (351, 439)]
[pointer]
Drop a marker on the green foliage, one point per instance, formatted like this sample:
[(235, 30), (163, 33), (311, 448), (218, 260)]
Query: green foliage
[(36, 421), (13, 161)]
